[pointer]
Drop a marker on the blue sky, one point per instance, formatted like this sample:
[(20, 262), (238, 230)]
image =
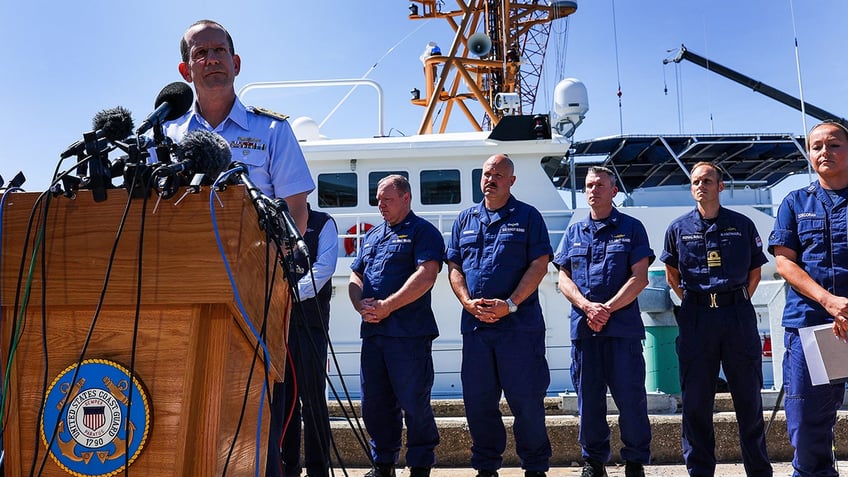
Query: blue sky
[(68, 60)]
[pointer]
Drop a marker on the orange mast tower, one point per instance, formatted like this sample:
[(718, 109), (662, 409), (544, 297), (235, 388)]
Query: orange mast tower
[(497, 54)]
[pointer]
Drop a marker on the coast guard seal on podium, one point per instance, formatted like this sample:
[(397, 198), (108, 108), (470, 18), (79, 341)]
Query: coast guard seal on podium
[(95, 423)]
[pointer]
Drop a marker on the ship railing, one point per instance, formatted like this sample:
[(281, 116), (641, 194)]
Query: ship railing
[(354, 225), (354, 82)]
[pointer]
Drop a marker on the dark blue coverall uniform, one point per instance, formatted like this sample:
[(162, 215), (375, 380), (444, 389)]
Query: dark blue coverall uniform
[(494, 250), (811, 222), (718, 328), (396, 360), (599, 256)]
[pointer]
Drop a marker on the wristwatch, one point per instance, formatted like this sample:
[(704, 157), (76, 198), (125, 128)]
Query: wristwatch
[(512, 306)]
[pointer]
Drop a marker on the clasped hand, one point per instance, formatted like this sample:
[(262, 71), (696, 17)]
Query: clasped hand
[(488, 310), (373, 310), (597, 315)]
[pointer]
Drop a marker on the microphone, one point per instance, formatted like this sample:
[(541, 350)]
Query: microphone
[(282, 208), (200, 153), (204, 152), (112, 124), (260, 200), (173, 101), (271, 208), (140, 142), (16, 181), (117, 124)]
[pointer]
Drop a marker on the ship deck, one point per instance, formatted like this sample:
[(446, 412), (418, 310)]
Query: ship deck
[(641, 161)]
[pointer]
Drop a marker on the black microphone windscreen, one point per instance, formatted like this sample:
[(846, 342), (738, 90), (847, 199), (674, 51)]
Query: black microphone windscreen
[(116, 123), (208, 150), (179, 95)]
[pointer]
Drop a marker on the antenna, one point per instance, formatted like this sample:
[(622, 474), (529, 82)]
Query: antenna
[(800, 84)]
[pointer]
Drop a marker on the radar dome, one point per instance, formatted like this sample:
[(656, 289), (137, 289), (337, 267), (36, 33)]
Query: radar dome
[(571, 99), (571, 102), (306, 129)]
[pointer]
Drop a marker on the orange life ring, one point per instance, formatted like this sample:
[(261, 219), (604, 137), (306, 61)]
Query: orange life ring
[(352, 243)]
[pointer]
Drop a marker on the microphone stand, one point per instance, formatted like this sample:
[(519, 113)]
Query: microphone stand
[(136, 172), (163, 144), (281, 207), (166, 182), (260, 201), (96, 180), (273, 215), (270, 218)]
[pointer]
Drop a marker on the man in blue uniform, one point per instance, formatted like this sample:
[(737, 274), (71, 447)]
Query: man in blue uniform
[(304, 392), (712, 260), (390, 287), (260, 139), (603, 266), (810, 245), (498, 254)]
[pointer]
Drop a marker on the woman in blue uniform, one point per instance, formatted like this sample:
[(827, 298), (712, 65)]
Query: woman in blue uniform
[(810, 244)]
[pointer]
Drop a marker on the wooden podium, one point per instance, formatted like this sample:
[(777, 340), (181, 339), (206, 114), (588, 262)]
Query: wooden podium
[(194, 350)]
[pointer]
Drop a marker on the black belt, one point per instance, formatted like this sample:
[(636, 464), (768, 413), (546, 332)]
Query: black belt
[(717, 299)]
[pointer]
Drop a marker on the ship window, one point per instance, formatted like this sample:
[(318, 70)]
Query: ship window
[(476, 193), (440, 187), (374, 178), (337, 190)]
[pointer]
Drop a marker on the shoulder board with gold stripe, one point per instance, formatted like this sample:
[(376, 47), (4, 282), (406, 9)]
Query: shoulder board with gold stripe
[(269, 113)]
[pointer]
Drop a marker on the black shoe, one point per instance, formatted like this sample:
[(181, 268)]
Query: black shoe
[(634, 469), (419, 472), (487, 473), (593, 468), (381, 470), (534, 473)]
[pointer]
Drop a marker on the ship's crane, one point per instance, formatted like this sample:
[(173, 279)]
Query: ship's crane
[(497, 54), (771, 92)]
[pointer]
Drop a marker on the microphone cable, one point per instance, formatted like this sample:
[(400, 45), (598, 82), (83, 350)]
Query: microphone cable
[(293, 379), (3, 389), (312, 347), (96, 316), (354, 421), (21, 305), (240, 305), (284, 385), (269, 281), (18, 322), (285, 248), (352, 418), (136, 314), (22, 302), (88, 337)]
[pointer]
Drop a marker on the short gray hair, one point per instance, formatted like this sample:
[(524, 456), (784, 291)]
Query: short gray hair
[(398, 181), (597, 170)]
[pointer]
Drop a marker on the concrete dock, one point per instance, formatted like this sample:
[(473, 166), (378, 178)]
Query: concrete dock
[(613, 470), (454, 449)]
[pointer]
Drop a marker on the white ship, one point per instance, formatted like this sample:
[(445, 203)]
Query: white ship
[(480, 71)]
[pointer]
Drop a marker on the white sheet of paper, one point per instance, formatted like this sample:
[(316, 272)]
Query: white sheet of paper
[(826, 355)]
